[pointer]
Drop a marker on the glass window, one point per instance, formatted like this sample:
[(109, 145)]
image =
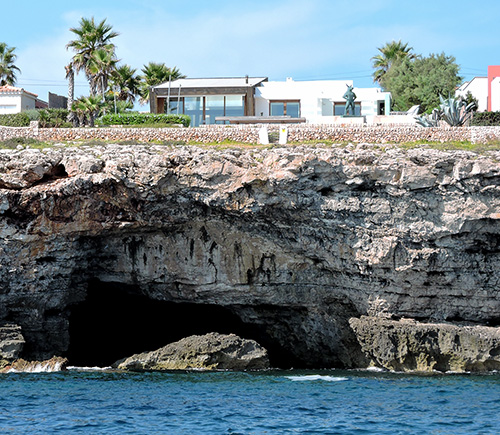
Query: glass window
[(293, 109), (214, 106), (326, 107), (285, 108), (176, 107), (235, 105), (194, 109), (277, 109)]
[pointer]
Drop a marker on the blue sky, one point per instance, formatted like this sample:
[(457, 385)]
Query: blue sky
[(303, 39)]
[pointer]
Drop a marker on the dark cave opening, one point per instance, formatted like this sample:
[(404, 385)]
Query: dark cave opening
[(116, 321)]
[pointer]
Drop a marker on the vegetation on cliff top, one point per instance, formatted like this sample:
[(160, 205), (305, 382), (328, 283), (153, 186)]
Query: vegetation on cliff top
[(22, 142)]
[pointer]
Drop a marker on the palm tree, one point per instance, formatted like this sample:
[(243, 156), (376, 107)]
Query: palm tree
[(70, 75), (125, 82), (90, 38), (390, 52), (87, 107), (78, 108), (8, 70), (92, 106), (155, 74), (101, 66)]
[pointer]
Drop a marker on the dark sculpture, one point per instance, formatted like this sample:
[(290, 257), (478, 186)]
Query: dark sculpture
[(349, 96)]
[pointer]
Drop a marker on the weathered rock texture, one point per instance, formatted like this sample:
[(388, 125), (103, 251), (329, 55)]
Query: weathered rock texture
[(294, 241), (210, 352), (407, 345), (11, 341)]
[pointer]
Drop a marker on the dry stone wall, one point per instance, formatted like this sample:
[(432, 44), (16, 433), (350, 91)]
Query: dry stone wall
[(250, 134)]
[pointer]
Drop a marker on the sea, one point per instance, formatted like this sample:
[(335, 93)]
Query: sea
[(100, 401)]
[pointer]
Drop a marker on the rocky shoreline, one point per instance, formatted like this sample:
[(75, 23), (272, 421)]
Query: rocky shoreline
[(289, 246)]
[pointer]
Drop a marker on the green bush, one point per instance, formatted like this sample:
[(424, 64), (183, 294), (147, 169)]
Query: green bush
[(15, 120), (135, 118), (33, 114), (49, 118), (485, 119)]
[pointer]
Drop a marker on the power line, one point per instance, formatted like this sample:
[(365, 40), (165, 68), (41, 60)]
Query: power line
[(50, 84)]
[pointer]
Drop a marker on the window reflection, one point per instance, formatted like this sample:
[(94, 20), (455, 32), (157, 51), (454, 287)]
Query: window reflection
[(285, 108)]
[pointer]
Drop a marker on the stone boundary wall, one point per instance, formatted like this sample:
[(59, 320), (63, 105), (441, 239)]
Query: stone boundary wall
[(250, 133)]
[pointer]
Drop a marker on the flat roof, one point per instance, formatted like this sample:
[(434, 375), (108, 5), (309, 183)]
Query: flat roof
[(219, 82)]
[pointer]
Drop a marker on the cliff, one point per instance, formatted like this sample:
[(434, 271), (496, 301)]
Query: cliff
[(281, 245)]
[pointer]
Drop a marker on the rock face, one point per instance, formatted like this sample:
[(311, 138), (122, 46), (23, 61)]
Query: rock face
[(211, 352), (407, 345), (292, 241), (11, 342)]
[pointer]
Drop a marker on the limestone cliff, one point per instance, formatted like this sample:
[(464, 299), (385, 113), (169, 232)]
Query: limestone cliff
[(291, 242)]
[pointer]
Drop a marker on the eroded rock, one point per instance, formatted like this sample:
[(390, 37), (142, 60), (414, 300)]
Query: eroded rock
[(212, 351), (11, 341), (407, 345), (294, 241), (54, 364)]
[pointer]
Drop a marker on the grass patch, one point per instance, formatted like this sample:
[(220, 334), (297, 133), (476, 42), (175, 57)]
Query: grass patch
[(14, 142), (478, 148)]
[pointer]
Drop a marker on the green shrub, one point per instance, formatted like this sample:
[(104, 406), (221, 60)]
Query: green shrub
[(485, 119), (49, 118), (134, 118), (33, 114), (15, 120)]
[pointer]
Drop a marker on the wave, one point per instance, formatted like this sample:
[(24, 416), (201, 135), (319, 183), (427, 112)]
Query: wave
[(317, 378), (39, 367)]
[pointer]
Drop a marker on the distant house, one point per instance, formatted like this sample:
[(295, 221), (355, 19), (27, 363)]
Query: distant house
[(15, 100), (486, 90), (317, 102)]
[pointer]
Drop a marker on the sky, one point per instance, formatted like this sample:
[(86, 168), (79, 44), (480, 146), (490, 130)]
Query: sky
[(302, 39)]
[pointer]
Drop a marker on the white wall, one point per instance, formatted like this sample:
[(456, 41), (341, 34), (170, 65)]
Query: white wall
[(495, 94), (27, 102), (478, 87), (316, 97), (10, 104), (16, 102)]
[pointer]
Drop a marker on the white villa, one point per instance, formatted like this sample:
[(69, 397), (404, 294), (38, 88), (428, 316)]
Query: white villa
[(15, 100), (256, 100)]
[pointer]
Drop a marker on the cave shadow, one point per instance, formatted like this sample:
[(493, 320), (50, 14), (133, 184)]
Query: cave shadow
[(116, 321)]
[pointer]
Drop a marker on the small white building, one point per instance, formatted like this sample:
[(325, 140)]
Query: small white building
[(319, 102), (15, 100), (486, 90), (478, 87)]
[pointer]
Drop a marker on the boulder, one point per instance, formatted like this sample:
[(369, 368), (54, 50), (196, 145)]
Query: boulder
[(11, 341), (408, 345), (212, 351)]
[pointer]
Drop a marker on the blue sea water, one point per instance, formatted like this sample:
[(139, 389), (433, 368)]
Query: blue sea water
[(273, 402)]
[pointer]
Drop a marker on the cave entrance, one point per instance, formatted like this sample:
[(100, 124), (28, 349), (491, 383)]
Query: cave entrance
[(116, 321)]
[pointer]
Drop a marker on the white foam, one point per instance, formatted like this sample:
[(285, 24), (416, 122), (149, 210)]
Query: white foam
[(89, 369), (375, 369), (41, 367), (316, 378)]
